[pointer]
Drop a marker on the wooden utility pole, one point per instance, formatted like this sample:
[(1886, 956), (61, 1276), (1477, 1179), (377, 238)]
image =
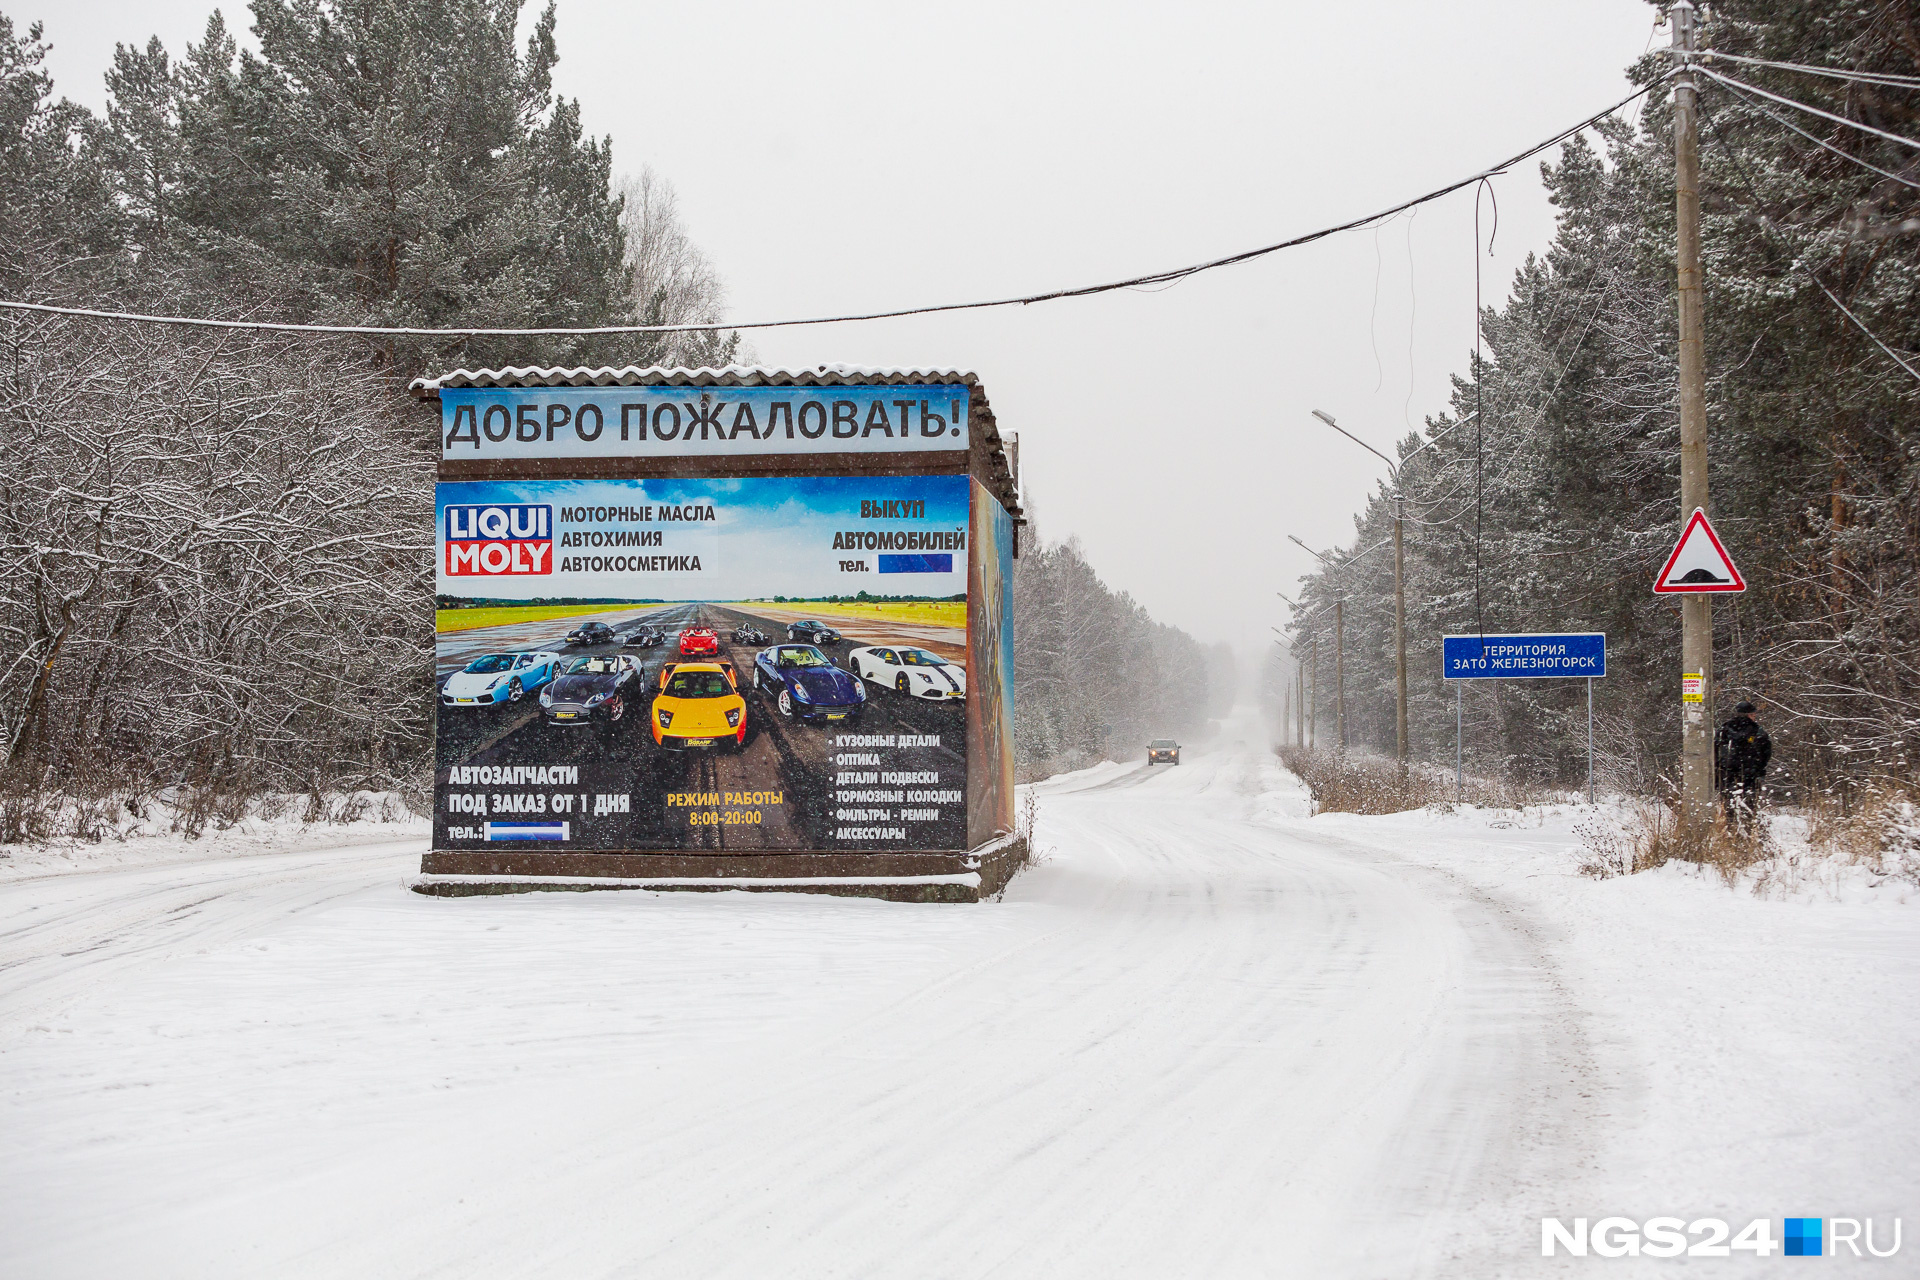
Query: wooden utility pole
[(1340, 670), (1400, 629), (1696, 609)]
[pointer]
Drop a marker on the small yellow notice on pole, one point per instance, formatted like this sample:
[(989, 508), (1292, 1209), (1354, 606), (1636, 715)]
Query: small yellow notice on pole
[(1692, 687)]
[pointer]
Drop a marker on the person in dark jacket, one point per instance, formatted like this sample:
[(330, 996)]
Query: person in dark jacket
[(1740, 753)]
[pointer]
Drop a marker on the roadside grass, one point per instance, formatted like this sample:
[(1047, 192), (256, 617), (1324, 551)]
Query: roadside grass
[(1353, 782), (932, 613), (448, 620), (1877, 829)]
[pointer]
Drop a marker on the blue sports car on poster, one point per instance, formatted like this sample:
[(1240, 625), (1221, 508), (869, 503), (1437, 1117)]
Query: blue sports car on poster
[(804, 683), (499, 677)]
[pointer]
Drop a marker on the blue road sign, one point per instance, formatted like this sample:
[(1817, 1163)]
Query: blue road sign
[(1507, 657)]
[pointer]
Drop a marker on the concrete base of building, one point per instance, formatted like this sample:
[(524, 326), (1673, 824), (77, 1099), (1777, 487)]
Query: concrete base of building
[(978, 874)]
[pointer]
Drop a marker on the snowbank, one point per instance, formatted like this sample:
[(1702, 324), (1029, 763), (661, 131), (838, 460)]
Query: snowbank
[(156, 835)]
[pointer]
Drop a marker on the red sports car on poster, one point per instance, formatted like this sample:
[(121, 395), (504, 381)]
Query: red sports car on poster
[(699, 642)]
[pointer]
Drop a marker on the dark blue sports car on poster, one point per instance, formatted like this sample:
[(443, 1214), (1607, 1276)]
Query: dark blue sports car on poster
[(804, 683)]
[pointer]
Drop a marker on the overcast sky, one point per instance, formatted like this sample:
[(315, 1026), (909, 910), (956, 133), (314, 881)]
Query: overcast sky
[(837, 157)]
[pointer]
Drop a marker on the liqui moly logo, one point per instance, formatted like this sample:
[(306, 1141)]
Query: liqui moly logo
[(499, 539)]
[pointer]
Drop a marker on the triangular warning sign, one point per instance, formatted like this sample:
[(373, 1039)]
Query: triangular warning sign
[(1699, 562)]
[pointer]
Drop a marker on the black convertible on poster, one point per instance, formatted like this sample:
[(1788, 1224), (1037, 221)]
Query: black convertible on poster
[(804, 683)]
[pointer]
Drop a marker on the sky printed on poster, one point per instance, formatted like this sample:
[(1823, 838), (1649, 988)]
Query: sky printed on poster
[(770, 536)]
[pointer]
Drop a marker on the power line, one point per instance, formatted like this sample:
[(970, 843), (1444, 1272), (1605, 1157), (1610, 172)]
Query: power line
[(1158, 277), (1801, 106), (1885, 79), (1819, 142), (1795, 259)]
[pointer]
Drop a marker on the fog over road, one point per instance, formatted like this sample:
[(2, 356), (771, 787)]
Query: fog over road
[(1194, 1042)]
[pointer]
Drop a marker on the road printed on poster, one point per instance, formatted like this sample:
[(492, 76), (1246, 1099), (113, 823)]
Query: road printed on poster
[(851, 764)]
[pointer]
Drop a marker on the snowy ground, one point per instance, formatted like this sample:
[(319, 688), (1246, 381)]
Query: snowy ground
[(1208, 1037)]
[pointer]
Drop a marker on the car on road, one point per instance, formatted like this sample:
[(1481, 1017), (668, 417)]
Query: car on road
[(594, 690), (646, 637), (747, 634), (699, 705), (917, 673), (699, 642), (804, 684), (1163, 751), (590, 633), (812, 632), (499, 677)]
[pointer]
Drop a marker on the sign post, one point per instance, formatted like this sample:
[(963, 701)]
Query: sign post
[(1521, 657), (1699, 566)]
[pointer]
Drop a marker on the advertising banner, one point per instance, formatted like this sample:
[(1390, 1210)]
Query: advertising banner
[(487, 423), (747, 665)]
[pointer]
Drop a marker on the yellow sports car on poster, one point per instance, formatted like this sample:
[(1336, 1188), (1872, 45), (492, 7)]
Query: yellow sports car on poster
[(699, 705)]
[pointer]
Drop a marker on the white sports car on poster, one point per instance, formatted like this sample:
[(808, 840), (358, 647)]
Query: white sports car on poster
[(499, 677), (918, 673)]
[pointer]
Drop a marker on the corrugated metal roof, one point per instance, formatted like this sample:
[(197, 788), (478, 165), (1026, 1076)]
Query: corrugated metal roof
[(733, 375), (1006, 484)]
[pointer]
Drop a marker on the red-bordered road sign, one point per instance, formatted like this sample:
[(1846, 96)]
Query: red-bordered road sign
[(1698, 562)]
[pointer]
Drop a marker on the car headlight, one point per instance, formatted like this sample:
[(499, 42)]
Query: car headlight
[(859, 690), (666, 717), (546, 696), (800, 694), (596, 700), (733, 718)]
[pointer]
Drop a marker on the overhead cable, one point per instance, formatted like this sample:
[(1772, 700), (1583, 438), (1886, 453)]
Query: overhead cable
[(1819, 142), (1795, 258), (1884, 78), (1158, 277), (1801, 106)]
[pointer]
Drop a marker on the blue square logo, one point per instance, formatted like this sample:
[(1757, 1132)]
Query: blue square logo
[(1803, 1237)]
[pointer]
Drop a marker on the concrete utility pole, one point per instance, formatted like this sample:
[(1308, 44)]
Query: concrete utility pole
[(1300, 703), (1696, 610), (1400, 628), (1340, 669), (1313, 703), (1399, 500)]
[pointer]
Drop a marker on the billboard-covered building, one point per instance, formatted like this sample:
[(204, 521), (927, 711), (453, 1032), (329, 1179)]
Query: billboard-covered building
[(740, 627)]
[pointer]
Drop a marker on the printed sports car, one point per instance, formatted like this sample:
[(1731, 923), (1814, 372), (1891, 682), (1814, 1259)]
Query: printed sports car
[(590, 633), (918, 673), (812, 632), (699, 642), (499, 677), (1163, 751), (594, 690), (699, 705), (803, 682), (645, 637), (746, 634)]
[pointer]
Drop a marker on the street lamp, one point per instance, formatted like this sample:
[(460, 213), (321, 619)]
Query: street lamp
[(1339, 647), (1399, 499), (1307, 706)]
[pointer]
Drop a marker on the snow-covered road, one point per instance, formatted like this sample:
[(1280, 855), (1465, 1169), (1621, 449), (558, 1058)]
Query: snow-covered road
[(1201, 1039)]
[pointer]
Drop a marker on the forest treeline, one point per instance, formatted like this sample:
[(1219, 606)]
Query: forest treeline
[(216, 549), (1553, 510)]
